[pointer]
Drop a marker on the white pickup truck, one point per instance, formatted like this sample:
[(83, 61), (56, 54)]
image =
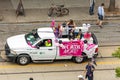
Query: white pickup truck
[(30, 47)]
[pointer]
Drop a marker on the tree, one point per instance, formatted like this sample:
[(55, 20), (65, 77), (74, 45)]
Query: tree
[(112, 5)]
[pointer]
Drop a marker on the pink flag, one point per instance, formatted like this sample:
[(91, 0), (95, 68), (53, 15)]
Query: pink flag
[(72, 48), (52, 23)]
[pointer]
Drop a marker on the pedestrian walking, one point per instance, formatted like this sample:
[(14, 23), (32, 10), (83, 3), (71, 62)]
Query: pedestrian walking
[(101, 14), (89, 71), (92, 5)]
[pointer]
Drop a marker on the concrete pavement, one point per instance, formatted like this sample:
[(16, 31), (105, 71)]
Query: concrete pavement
[(36, 11), (58, 70)]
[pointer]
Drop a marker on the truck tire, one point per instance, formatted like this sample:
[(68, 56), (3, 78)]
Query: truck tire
[(78, 59), (23, 59)]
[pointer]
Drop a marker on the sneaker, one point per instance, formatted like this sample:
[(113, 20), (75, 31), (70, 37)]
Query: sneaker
[(97, 23), (100, 26)]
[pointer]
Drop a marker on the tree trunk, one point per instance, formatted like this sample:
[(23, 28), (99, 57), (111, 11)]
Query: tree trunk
[(112, 5)]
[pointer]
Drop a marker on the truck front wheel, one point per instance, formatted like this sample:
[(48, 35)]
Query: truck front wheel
[(78, 59), (23, 59)]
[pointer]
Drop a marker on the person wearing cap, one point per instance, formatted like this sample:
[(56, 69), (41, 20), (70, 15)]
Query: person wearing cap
[(48, 43)]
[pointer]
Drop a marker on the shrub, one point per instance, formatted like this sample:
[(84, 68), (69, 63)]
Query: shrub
[(116, 53), (117, 70)]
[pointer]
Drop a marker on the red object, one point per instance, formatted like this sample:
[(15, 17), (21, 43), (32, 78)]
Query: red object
[(87, 35), (53, 23), (49, 41), (96, 50)]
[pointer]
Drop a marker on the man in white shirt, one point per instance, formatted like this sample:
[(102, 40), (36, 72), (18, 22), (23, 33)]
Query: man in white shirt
[(101, 14)]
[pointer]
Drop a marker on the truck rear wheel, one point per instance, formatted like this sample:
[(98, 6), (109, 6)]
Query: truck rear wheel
[(23, 59), (78, 59)]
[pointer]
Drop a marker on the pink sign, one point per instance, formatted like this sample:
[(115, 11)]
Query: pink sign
[(90, 46), (73, 48)]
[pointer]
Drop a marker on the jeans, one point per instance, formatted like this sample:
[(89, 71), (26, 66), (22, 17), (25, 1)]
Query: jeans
[(90, 77), (91, 10)]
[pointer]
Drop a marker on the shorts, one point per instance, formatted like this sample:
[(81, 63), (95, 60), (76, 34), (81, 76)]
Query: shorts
[(100, 17)]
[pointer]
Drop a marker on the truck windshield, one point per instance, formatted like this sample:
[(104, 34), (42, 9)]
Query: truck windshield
[(32, 37)]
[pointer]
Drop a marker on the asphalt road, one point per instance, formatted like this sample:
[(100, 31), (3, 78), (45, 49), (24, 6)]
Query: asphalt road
[(109, 35)]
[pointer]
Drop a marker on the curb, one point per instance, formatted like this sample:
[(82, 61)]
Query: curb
[(25, 22), (39, 22)]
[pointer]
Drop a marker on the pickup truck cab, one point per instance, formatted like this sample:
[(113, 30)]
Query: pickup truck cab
[(30, 47)]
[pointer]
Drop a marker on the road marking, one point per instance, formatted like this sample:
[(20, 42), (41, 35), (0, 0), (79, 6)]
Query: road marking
[(2, 66)]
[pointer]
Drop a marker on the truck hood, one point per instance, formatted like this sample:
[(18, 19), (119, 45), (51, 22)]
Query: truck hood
[(17, 42)]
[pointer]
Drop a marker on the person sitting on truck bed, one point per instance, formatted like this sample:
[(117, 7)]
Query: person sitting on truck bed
[(79, 35), (48, 43), (71, 24), (56, 31), (71, 34)]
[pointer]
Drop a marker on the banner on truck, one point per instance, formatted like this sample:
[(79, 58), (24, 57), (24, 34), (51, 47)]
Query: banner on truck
[(72, 48)]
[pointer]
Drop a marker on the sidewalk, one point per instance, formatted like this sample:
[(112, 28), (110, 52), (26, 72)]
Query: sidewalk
[(36, 11), (40, 15)]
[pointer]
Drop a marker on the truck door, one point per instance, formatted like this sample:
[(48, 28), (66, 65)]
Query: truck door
[(46, 50)]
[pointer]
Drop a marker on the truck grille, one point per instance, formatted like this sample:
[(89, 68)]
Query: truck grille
[(7, 49)]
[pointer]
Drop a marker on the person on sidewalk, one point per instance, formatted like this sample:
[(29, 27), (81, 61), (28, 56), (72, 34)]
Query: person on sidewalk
[(92, 5), (101, 14), (89, 71)]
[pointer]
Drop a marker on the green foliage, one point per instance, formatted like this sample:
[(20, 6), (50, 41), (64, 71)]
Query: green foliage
[(117, 70), (116, 53)]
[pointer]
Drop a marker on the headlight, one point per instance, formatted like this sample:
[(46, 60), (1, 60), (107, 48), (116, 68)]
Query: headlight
[(13, 52)]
